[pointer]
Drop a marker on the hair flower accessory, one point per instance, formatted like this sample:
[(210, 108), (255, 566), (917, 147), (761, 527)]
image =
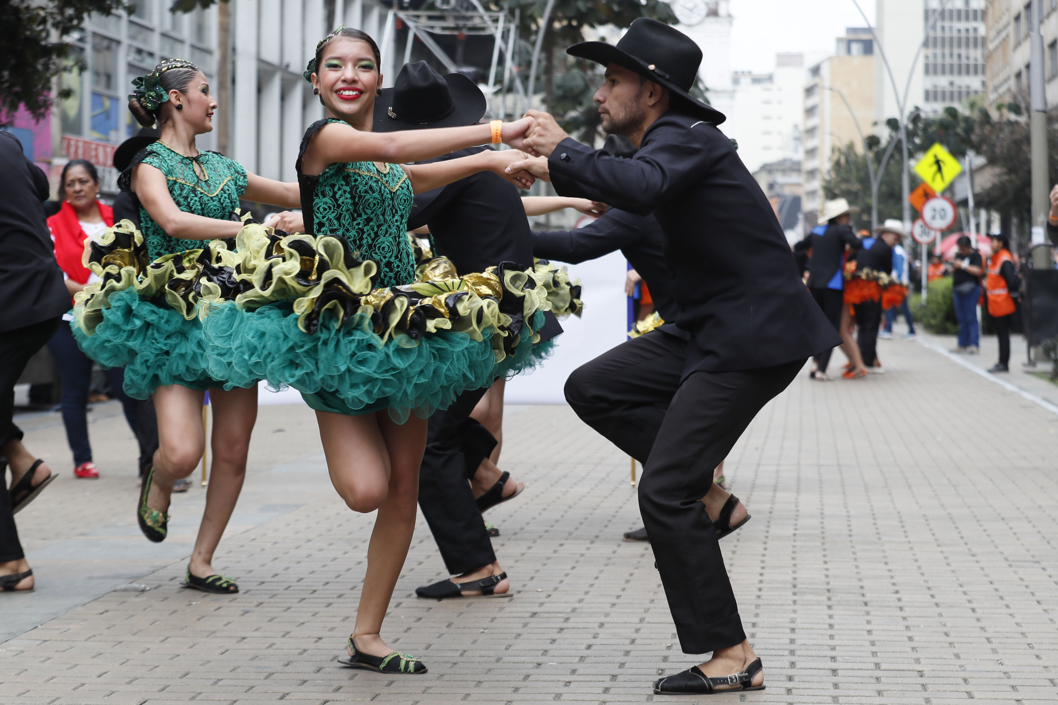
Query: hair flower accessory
[(148, 89), (311, 67)]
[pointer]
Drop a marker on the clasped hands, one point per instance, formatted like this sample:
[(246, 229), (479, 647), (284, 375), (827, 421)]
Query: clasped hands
[(536, 136)]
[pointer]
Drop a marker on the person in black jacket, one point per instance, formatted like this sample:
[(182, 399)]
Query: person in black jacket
[(33, 298), (828, 242), (746, 323)]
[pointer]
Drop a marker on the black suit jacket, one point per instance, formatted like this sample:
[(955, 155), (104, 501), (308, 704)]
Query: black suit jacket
[(127, 207), (827, 250), (478, 222), (879, 257), (31, 283), (638, 237), (736, 283)]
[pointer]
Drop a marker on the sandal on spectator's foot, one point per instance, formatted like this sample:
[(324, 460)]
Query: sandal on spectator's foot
[(695, 682), (153, 524), (723, 522), (24, 491), (8, 582), (394, 663), (216, 584), (449, 588), (494, 496), (492, 530)]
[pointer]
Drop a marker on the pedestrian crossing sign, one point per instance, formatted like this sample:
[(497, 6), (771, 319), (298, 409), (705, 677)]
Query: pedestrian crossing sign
[(938, 167)]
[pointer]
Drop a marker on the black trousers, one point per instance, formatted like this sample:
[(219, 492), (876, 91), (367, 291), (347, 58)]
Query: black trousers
[(830, 301), (633, 396), (455, 446), (1002, 324), (16, 348), (868, 318)]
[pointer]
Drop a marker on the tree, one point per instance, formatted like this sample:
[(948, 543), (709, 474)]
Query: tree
[(33, 48), (849, 178)]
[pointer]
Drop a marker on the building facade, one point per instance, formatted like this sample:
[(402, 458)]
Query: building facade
[(708, 23), (953, 61), (839, 111), (1007, 53), (767, 112)]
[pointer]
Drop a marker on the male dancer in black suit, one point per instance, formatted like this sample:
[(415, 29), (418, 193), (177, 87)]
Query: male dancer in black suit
[(746, 323)]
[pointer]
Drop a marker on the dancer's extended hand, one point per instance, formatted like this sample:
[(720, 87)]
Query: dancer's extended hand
[(544, 134), (501, 161), (513, 133), (287, 222), (535, 167), (590, 207)]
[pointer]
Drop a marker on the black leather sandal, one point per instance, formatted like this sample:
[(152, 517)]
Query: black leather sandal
[(723, 522), (695, 682), (8, 582), (216, 584), (24, 491), (637, 535), (494, 497), (153, 524), (446, 589), (394, 663)]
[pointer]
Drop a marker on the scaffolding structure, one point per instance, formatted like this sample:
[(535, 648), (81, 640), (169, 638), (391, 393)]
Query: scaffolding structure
[(504, 88)]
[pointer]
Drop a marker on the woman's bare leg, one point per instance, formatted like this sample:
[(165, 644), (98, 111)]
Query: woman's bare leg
[(181, 440), (374, 464), (489, 413), (848, 343), (234, 415)]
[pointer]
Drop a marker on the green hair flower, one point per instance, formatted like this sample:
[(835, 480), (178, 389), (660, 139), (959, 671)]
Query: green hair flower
[(148, 89)]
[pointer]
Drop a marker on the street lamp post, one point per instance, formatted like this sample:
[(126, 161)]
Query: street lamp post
[(874, 175), (901, 106)]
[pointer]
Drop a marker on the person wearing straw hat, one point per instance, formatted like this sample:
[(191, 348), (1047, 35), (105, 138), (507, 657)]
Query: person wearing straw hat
[(746, 323), (828, 242)]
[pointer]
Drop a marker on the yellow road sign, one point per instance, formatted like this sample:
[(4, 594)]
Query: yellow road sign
[(938, 167)]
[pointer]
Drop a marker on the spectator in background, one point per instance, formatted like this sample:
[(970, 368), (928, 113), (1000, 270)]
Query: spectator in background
[(825, 274), (81, 217), (876, 256), (901, 275), (936, 268), (32, 301), (1004, 288), (967, 269)]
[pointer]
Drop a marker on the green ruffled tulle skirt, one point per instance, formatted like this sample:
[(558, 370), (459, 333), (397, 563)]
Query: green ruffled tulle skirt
[(301, 312)]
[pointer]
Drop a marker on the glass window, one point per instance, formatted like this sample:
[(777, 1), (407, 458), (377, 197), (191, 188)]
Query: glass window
[(141, 35), (104, 63), (140, 57), (173, 22), (111, 24), (142, 9), (200, 32), (1017, 28), (202, 59), (105, 116), (171, 48), (1052, 59), (70, 106)]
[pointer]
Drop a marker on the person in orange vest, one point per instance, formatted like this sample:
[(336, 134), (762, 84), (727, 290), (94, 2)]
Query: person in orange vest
[(1003, 286), (936, 268)]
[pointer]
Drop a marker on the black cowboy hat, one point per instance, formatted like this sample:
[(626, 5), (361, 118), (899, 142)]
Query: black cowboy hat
[(660, 53), (131, 147), (423, 98)]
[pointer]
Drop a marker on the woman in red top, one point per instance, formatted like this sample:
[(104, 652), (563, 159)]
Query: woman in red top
[(81, 217)]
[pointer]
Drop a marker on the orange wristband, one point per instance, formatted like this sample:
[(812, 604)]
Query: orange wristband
[(497, 131)]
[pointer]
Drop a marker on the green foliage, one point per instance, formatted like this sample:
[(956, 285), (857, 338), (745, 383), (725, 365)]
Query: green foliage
[(937, 315), (29, 57)]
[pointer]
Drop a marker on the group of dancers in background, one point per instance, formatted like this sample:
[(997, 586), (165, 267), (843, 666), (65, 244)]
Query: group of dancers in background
[(394, 342)]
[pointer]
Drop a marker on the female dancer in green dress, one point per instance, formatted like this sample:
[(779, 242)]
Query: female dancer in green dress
[(186, 197), (353, 187)]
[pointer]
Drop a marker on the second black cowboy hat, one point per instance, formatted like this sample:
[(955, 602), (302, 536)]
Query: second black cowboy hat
[(131, 147), (423, 98), (659, 52)]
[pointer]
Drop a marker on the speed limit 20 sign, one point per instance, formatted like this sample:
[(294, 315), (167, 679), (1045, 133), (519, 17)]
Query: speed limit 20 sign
[(938, 213)]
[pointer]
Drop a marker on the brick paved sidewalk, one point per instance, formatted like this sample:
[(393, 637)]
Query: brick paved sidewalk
[(896, 555)]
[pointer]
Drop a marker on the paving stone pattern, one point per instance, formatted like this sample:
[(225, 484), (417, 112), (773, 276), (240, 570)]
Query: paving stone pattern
[(902, 550)]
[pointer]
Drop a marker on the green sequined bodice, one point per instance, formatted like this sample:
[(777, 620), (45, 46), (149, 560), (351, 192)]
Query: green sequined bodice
[(216, 196), (366, 205)]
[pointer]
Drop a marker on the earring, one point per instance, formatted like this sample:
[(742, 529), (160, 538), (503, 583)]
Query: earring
[(378, 91), (179, 106), (315, 91)]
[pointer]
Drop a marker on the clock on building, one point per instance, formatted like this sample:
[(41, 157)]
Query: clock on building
[(689, 12)]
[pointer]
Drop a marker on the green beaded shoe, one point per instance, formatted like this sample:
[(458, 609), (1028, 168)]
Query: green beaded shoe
[(153, 524), (216, 584), (394, 663)]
